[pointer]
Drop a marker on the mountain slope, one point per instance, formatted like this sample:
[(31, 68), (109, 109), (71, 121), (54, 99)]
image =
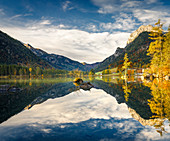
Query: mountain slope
[(14, 52), (61, 62), (136, 51)]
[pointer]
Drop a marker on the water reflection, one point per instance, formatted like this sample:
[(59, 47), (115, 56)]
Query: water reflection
[(159, 103), (59, 111)]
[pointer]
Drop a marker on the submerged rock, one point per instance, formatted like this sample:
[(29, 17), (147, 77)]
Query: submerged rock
[(82, 85)]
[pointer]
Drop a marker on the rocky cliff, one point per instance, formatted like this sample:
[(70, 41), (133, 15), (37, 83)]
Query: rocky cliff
[(136, 33)]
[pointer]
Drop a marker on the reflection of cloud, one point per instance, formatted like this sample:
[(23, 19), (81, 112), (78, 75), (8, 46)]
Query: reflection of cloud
[(147, 132), (83, 105), (81, 115), (78, 45)]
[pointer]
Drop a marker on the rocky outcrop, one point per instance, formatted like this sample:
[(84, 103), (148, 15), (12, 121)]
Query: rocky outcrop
[(136, 33)]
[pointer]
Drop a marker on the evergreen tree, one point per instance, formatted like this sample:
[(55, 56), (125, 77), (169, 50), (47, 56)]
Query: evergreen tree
[(166, 52), (157, 48), (126, 64)]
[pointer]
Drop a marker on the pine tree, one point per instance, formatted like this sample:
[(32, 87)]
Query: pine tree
[(156, 48)]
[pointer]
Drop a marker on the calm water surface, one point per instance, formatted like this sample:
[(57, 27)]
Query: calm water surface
[(56, 109)]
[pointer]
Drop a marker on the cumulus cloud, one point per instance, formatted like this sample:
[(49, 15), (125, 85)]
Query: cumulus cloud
[(106, 6), (111, 6), (151, 16), (143, 11), (122, 22), (73, 43)]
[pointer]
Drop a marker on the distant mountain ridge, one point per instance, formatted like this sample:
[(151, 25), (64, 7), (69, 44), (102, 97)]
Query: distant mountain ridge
[(14, 52), (61, 62)]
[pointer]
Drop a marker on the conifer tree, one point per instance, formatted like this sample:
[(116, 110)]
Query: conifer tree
[(166, 53), (126, 64), (156, 49)]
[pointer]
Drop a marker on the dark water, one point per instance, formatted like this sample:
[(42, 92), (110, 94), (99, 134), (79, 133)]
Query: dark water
[(56, 109)]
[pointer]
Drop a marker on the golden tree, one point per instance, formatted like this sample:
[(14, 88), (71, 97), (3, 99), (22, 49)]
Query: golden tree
[(166, 52), (126, 90), (126, 64), (160, 102), (157, 49)]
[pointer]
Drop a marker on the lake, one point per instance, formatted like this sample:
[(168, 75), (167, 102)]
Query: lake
[(57, 109)]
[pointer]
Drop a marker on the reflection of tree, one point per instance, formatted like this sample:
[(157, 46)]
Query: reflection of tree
[(126, 90), (160, 102)]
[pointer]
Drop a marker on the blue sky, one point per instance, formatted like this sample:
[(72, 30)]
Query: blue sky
[(84, 30)]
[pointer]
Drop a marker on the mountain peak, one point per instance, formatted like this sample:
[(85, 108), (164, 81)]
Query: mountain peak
[(136, 33)]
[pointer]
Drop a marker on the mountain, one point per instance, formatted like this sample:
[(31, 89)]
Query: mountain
[(14, 52), (59, 61), (136, 33), (105, 63), (136, 50)]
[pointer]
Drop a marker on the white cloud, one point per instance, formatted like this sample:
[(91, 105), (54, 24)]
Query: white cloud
[(130, 4), (15, 16), (66, 6), (73, 43), (106, 6), (92, 27), (151, 16), (122, 22), (45, 22)]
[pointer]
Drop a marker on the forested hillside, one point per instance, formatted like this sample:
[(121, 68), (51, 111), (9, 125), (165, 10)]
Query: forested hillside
[(13, 51), (136, 51)]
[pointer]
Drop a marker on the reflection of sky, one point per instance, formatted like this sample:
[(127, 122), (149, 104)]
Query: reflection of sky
[(81, 115)]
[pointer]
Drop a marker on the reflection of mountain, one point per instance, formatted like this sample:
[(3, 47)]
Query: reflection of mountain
[(81, 115), (11, 104), (57, 90), (137, 99), (144, 122)]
